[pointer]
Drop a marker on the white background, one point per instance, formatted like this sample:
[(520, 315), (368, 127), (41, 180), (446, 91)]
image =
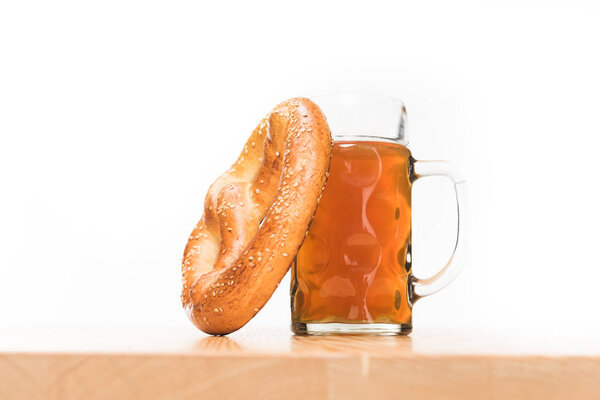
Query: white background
[(115, 117)]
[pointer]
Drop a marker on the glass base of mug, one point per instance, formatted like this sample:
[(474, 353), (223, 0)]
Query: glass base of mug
[(336, 328)]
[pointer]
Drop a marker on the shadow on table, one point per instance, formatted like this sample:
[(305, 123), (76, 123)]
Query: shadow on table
[(266, 341), (218, 343), (375, 345)]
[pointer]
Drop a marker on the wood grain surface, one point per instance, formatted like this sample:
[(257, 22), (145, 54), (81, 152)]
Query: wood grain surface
[(181, 363)]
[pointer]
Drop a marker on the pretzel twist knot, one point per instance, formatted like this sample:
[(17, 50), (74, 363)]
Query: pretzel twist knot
[(256, 216)]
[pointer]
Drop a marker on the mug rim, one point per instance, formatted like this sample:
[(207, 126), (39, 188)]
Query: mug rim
[(349, 100)]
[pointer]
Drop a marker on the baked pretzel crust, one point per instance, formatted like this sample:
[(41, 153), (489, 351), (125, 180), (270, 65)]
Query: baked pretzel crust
[(256, 216)]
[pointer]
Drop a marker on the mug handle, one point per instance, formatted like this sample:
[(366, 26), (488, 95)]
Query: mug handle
[(425, 287)]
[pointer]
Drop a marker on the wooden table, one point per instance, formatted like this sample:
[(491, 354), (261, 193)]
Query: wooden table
[(181, 363)]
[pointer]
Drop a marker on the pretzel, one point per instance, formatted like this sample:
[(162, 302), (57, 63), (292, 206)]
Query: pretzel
[(256, 216)]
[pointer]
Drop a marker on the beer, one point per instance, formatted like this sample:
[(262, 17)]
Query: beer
[(355, 264)]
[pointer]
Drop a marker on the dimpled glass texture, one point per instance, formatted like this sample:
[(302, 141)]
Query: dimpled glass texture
[(355, 265)]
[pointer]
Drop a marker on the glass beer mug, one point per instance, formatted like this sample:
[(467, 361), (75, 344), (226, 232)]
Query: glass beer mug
[(353, 273)]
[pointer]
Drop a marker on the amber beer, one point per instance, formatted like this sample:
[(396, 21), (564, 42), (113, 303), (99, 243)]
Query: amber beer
[(355, 264)]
